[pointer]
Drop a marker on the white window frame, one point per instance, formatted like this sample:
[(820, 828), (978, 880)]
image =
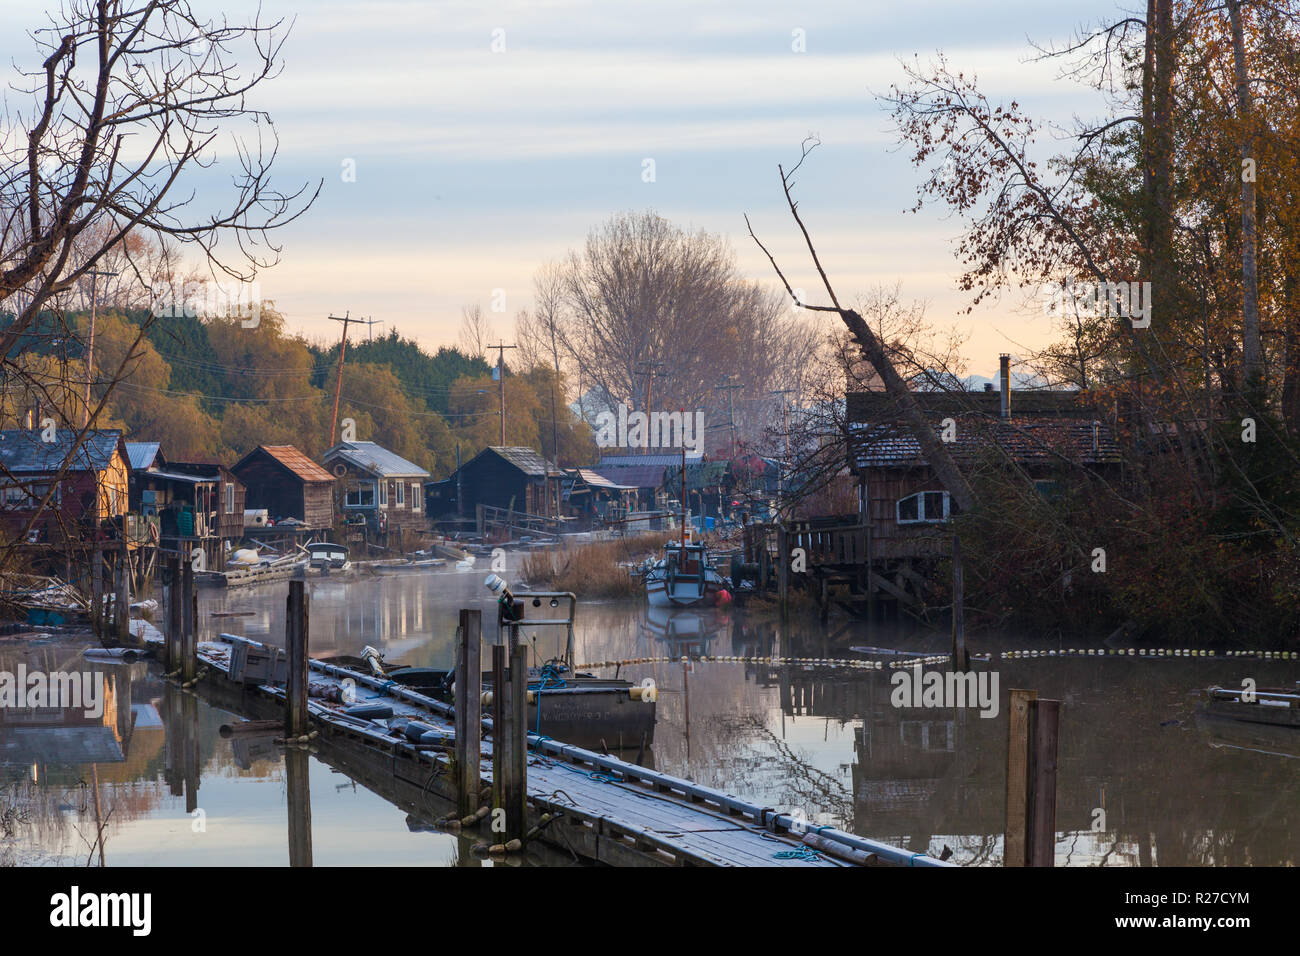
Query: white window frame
[(401, 494), (230, 497), (383, 492), (417, 492), (921, 516)]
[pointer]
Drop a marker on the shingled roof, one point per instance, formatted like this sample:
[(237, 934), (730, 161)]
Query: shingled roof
[(293, 461), (1027, 439), (526, 460)]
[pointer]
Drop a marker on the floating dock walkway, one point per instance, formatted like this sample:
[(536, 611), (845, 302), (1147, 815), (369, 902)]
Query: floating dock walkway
[(598, 807)]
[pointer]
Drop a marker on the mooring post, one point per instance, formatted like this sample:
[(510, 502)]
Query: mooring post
[(189, 623), (960, 657), (516, 795), (1045, 722), (1015, 840), (499, 736), (173, 613), (783, 567), (295, 646), (469, 688)]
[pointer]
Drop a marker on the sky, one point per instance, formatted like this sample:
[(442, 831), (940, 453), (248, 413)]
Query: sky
[(452, 170)]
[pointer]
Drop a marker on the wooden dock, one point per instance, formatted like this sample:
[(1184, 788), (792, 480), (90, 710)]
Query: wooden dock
[(598, 807)]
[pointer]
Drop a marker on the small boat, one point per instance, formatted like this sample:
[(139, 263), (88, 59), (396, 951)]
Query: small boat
[(683, 576), (325, 556), (1279, 707), (403, 567)]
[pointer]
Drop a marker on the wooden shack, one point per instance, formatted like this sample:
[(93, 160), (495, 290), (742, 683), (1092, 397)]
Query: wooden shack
[(512, 478), (91, 481), (290, 486), (378, 486)]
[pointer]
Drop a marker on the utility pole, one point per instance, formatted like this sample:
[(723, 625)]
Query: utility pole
[(730, 388), (650, 368), (338, 381), (501, 377), (90, 344), (372, 322), (785, 430)]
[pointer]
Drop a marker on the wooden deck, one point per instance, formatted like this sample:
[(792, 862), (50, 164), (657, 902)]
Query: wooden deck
[(607, 810)]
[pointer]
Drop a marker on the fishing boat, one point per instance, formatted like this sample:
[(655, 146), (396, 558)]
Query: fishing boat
[(564, 703), (683, 577), (1279, 707), (326, 556)]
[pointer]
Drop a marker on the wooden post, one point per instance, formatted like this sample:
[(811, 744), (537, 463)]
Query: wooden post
[(1015, 839), (189, 630), (498, 724), (1045, 722), (960, 657), (295, 646), (516, 793), (122, 603), (783, 568), (297, 763), (469, 687), (174, 614)]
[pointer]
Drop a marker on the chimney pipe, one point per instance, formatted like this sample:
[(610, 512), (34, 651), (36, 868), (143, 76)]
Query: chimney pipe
[(1004, 376)]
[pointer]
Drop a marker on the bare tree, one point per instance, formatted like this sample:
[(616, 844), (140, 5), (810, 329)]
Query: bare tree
[(474, 332)]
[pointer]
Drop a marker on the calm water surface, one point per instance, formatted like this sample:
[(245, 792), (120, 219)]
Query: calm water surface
[(1143, 779)]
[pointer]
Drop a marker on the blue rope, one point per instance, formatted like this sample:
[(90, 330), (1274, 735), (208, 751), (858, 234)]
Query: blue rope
[(805, 853), (383, 690), (550, 680)]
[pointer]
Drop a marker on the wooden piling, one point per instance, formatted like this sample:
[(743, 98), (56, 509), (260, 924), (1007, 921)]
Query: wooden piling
[(498, 724), (1045, 722), (189, 623), (516, 790), (1015, 837), (174, 613), (295, 646), (468, 699)]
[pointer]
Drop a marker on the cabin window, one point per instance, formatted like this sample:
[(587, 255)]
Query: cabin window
[(401, 493), (924, 507), (362, 496), (230, 498), (415, 497), (1051, 490), (383, 494)]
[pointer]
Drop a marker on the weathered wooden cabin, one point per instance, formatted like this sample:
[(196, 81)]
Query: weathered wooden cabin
[(93, 490), (510, 478), (292, 488), (594, 499), (378, 486)]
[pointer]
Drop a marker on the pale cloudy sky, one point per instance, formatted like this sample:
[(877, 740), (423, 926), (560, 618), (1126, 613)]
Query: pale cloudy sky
[(473, 167)]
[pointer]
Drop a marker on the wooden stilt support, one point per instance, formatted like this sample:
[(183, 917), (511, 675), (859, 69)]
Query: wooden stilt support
[(189, 623), (174, 613), (295, 646), (122, 602), (469, 689), (783, 569), (97, 589)]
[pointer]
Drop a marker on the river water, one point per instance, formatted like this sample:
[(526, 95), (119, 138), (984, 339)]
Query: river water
[(1143, 779)]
